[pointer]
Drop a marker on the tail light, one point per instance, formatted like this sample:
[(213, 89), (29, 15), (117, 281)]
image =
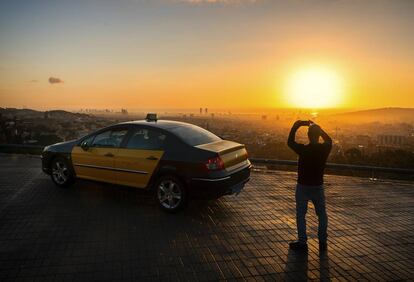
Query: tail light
[(215, 163)]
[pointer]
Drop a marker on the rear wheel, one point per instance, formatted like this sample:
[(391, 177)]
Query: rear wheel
[(171, 193), (61, 175)]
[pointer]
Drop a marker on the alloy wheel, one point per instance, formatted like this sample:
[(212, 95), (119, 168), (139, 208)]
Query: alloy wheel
[(60, 172), (169, 194)]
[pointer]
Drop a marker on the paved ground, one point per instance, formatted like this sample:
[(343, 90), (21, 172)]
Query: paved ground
[(101, 232)]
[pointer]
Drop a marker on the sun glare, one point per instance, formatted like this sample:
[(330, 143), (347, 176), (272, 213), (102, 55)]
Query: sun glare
[(315, 88)]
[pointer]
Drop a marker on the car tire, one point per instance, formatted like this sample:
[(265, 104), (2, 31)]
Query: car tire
[(170, 193), (61, 173)]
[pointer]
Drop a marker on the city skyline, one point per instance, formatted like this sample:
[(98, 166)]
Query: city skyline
[(215, 54)]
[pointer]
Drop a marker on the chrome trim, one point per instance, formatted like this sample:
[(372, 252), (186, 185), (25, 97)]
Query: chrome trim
[(212, 179), (112, 168), (233, 168)]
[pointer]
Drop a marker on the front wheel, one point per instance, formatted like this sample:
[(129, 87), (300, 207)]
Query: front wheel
[(62, 175), (171, 193)]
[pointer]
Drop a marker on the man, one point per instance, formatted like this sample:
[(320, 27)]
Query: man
[(311, 166)]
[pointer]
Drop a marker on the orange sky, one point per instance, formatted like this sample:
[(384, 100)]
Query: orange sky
[(177, 54)]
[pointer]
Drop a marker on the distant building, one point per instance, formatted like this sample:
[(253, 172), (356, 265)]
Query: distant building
[(391, 140), (206, 111)]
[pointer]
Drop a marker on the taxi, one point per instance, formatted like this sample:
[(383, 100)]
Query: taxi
[(177, 160)]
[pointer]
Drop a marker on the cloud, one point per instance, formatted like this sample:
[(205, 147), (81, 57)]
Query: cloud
[(53, 80)]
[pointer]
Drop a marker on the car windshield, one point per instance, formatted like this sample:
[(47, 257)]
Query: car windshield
[(194, 135)]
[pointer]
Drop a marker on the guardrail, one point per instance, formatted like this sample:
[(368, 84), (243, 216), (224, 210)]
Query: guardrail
[(37, 149), (337, 166), (21, 149)]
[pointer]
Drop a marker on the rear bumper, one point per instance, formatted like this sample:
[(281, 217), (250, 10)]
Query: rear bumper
[(213, 188)]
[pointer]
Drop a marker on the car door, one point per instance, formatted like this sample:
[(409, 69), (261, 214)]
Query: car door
[(136, 161), (94, 158)]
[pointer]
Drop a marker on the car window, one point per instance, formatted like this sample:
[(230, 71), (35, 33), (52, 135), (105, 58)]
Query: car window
[(109, 138), (146, 139), (194, 135)]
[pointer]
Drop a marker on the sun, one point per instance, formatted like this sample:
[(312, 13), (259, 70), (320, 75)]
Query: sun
[(314, 87)]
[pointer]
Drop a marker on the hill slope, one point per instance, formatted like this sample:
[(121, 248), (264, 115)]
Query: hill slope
[(385, 115), (29, 113)]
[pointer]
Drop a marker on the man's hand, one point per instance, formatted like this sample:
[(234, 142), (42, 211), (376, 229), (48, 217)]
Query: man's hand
[(300, 123), (317, 126)]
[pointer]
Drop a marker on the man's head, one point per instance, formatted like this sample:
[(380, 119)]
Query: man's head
[(314, 131)]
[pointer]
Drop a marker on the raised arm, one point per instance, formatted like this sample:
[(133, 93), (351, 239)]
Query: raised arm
[(292, 134), (326, 138)]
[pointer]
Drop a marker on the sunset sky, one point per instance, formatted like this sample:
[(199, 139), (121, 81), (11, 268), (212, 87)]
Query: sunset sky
[(216, 54)]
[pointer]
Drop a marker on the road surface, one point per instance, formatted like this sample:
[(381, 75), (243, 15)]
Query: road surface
[(94, 231)]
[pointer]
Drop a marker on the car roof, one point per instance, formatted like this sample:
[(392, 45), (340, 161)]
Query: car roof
[(163, 124)]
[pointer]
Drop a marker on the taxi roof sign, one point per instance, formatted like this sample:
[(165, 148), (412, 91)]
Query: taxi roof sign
[(151, 117)]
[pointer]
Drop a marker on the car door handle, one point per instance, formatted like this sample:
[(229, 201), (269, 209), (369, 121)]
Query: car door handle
[(109, 155), (152, 158)]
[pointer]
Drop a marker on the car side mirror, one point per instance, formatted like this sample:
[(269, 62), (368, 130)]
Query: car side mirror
[(84, 145)]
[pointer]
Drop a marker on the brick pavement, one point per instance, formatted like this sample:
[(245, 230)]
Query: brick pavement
[(102, 232)]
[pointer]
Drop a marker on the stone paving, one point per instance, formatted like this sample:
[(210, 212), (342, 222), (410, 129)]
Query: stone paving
[(98, 232)]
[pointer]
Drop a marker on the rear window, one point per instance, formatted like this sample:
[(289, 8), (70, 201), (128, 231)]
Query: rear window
[(194, 135)]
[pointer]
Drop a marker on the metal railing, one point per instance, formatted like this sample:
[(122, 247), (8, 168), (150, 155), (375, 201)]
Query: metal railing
[(260, 161), (37, 149), (21, 149)]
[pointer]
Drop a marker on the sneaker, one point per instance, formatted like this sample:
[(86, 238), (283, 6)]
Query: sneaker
[(298, 245), (323, 246)]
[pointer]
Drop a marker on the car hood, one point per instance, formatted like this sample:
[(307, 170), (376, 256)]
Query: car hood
[(62, 146)]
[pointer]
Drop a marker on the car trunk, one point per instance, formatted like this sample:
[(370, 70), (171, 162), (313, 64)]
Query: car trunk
[(234, 155)]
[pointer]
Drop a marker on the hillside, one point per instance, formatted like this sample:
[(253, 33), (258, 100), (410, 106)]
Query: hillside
[(384, 115), (29, 113)]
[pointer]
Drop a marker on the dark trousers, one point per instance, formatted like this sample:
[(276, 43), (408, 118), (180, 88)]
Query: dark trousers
[(317, 196)]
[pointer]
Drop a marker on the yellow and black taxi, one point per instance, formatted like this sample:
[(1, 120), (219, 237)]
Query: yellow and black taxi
[(178, 160)]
